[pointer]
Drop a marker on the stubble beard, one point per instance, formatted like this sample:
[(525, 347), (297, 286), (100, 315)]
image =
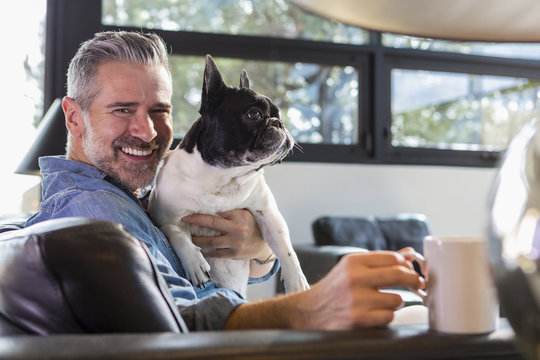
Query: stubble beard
[(106, 157)]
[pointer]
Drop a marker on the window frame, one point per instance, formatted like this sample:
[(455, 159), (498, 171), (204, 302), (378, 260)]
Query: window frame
[(373, 61), (410, 59)]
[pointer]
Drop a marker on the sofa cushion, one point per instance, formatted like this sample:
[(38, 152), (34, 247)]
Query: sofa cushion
[(405, 230), (78, 275), (361, 232), (372, 233)]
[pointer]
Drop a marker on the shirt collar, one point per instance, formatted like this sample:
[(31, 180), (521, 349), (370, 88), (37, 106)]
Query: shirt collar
[(50, 164)]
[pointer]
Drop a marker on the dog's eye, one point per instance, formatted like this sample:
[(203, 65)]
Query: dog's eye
[(254, 114)]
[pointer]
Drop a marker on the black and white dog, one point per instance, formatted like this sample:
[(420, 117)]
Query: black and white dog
[(218, 167)]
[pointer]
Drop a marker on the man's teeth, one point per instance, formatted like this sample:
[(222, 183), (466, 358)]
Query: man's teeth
[(136, 152)]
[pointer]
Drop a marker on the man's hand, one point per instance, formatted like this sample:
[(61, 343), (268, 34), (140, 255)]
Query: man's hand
[(348, 297), (240, 236)]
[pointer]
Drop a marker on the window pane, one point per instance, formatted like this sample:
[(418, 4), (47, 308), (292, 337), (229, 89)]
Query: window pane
[(509, 50), (22, 74), (276, 18), (319, 104), (459, 111)]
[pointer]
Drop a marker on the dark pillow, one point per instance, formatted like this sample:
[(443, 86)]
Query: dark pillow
[(78, 275), (372, 233), (362, 232), (405, 230)]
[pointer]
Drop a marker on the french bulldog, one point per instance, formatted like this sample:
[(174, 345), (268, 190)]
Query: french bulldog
[(218, 166)]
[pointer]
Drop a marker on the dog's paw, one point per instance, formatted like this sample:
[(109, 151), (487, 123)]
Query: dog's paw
[(197, 269)]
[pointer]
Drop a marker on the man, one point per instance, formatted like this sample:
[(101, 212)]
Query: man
[(118, 116)]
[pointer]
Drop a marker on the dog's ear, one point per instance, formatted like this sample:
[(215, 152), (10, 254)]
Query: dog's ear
[(244, 80), (213, 85)]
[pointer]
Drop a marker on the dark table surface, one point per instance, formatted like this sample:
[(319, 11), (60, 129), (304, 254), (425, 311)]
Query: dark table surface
[(411, 341)]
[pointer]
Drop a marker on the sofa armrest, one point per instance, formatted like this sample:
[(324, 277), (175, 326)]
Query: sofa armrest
[(76, 275)]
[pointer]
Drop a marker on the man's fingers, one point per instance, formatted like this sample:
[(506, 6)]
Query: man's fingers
[(392, 276), (215, 247), (378, 258), (230, 214), (225, 253), (375, 308), (378, 317), (204, 242), (211, 242), (412, 255), (383, 300), (380, 269), (210, 221)]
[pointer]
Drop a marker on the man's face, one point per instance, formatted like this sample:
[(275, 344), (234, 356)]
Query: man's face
[(128, 126)]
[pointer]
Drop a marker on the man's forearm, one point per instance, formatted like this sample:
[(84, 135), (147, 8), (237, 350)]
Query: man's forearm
[(311, 309), (274, 313)]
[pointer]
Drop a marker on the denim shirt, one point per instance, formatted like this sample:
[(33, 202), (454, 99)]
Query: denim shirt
[(72, 188)]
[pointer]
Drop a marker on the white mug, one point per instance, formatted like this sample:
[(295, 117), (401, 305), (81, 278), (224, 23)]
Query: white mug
[(461, 296)]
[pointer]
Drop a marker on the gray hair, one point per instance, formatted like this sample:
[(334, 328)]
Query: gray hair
[(121, 46)]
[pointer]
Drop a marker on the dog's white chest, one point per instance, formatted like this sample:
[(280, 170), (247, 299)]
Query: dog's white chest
[(187, 185)]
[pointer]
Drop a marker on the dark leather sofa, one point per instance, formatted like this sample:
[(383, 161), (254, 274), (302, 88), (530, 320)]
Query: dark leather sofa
[(336, 236), (85, 289)]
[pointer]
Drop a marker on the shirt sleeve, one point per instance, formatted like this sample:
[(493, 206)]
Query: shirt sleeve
[(210, 312)]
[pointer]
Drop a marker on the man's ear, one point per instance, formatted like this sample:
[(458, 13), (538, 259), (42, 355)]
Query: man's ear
[(74, 118)]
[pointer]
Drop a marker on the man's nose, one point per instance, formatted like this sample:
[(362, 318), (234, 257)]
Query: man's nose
[(142, 127)]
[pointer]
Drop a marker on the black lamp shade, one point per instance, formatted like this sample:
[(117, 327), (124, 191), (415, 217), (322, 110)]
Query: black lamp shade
[(50, 139)]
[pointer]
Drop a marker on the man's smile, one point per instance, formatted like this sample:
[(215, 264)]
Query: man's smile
[(136, 152)]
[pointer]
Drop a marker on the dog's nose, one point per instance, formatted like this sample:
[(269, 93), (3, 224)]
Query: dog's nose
[(276, 123)]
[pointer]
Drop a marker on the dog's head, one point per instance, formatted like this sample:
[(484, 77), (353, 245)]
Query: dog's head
[(238, 126)]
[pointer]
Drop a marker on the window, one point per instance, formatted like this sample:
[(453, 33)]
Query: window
[(317, 103), (22, 96), (520, 51), (276, 18), (458, 111), (346, 94)]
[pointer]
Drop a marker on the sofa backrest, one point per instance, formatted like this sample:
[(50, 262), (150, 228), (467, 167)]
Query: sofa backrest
[(77, 275)]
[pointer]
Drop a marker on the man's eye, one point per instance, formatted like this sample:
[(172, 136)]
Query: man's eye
[(122, 111), (254, 114)]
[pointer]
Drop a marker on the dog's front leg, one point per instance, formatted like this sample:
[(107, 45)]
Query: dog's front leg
[(193, 261), (276, 233)]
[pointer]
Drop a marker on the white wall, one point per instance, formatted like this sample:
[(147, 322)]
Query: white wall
[(455, 199)]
